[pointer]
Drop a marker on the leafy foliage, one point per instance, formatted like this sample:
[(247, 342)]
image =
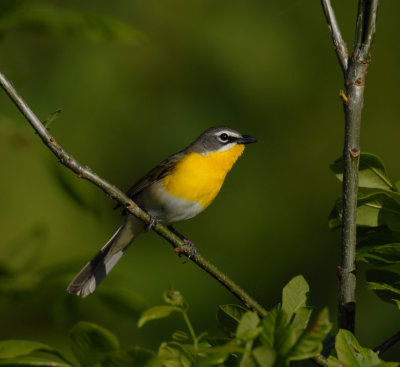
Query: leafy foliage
[(284, 335), (352, 354), (67, 24), (378, 221)]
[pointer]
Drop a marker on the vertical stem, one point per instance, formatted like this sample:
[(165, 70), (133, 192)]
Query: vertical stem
[(354, 82), (351, 156), (354, 72), (193, 334)]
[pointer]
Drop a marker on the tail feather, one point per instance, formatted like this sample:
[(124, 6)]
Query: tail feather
[(93, 273)]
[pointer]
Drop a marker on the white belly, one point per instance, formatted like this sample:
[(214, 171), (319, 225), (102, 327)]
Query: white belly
[(166, 207)]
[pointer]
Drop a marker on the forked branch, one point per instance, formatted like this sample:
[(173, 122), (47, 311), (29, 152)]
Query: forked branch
[(354, 73)]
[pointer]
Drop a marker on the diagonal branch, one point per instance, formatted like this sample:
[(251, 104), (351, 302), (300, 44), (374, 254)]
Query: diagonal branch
[(380, 349), (85, 172), (333, 25), (173, 237)]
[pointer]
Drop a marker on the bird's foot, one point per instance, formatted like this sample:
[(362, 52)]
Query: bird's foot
[(187, 243), (192, 250), (151, 224)]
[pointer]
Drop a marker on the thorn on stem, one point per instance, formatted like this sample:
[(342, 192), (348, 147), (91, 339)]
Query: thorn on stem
[(359, 82), (80, 175), (130, 205), (343, 96), (355, 152), (55, 144), (178, 250)]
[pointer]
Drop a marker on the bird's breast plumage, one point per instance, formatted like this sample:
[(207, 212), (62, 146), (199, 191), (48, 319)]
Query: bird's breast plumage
[(198, 177)]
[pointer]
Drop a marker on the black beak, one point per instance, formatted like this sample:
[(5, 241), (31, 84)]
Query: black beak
[(246, 139)]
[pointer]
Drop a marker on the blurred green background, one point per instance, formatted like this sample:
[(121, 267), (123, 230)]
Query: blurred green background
[(138, 81)]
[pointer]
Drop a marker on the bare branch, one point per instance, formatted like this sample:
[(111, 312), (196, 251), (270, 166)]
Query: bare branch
[(354, 82), (354, 71), (333, 25), (365, 30), (380, 349), (85, 172)]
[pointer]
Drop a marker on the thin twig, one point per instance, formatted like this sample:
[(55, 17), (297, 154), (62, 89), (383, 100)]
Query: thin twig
[(354, 79), (333, 25), (85, 172), (380, 349)]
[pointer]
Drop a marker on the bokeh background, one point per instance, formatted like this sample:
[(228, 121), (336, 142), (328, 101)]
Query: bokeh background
[(138, 81)]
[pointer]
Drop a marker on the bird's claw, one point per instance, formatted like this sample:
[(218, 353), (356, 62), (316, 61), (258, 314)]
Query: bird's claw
[(151, 224), (192, 250)]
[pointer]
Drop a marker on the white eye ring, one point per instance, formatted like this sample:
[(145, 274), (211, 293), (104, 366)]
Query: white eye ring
[(223, 137)]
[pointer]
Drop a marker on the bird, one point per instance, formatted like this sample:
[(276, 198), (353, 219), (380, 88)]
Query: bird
[(179, 188)]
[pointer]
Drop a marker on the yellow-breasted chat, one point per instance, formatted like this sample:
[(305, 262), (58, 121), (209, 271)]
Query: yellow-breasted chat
[(179, 188)]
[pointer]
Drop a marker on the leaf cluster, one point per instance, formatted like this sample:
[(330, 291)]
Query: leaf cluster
[(283, 337), (378, 224)]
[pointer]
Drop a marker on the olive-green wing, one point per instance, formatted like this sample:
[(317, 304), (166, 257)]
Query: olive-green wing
[(156, 174)]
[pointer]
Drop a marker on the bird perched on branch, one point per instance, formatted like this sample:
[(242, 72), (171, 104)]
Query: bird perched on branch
[(179, 188)]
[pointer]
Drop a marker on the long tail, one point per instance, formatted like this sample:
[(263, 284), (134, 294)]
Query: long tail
[(89, 278)]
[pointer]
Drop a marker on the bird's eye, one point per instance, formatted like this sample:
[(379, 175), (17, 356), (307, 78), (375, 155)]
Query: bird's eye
[(224, 137)]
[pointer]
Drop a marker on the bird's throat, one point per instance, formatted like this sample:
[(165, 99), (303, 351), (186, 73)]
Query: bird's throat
[(199, 177)]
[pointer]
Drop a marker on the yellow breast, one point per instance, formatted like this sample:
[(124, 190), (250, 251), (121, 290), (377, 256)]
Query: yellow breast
[(199, 177)]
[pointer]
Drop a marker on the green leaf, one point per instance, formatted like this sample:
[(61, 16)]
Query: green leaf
[(33, 361), (294, 295), (154, 313), (310, 342), (275, 320), (230, 315), (180, 336), (381, 254), (229, 347), (373, 210), (173, 355), (386, 284), (247, 328), (17, 348), (264, 356), (91, 343), (277, 333), (248, 361), (136, 356), (352, 354), (302, 317), (378, 209), (213, 360), (372, 173), (70, 24)]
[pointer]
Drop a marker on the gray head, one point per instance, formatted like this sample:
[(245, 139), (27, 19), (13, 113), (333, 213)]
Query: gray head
[(219, 139)]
